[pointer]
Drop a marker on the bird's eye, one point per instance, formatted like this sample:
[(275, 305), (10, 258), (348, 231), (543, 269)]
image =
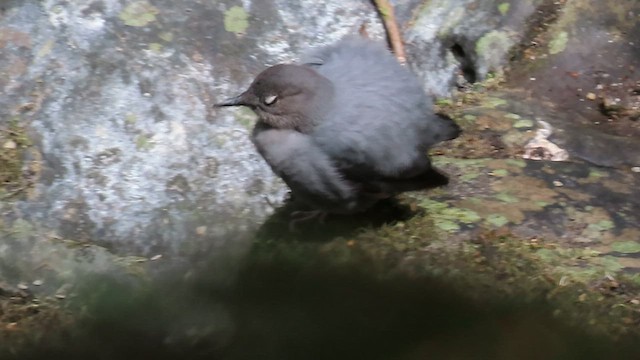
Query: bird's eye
[(270, 100)]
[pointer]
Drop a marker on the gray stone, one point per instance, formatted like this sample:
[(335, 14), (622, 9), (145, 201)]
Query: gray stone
[(134, 156), (447, 38)]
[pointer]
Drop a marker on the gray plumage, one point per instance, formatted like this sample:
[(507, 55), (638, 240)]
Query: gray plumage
[(346, 127)]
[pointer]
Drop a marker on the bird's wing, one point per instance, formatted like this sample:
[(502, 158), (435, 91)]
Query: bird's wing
[(305, 168), (419, 177)]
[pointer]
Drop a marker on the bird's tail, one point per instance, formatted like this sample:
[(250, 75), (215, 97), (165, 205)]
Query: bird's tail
[(449, 130), (428, 179)]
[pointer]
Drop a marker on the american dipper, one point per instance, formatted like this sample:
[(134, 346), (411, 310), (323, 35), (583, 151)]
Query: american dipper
[(346, 127)]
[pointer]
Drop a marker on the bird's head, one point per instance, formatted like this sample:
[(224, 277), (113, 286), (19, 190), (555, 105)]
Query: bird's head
[(287, 96)]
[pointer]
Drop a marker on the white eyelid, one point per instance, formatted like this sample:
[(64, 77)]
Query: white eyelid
[(269, 100)]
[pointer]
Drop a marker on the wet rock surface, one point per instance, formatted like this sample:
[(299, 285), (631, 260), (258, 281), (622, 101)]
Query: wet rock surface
[(126, 170), (587, 64)]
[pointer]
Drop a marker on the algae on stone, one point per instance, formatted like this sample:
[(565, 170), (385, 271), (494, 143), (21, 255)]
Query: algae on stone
[(236, 20), (504, 8), (558, 43), (139, 14)]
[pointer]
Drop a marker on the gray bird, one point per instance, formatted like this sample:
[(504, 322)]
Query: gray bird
[(346, 127)]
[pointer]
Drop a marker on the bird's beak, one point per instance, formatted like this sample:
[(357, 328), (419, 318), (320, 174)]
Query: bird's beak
[(240, 100)]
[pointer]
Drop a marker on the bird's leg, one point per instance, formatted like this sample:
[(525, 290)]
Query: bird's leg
[(301, 216)]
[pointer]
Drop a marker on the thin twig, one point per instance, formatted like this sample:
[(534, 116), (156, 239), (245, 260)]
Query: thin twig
[(393, 31)]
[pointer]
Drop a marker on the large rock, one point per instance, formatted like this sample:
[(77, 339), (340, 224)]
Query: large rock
[(118, 99), (585, 61), (457, 42)]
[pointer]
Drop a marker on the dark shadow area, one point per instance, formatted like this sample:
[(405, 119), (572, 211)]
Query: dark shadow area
[(466, 63), (314, 309), (279, 227)]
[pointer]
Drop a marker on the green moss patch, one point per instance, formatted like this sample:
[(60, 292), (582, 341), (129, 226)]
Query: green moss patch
[(13, 142), (139, 14), (236, 20)]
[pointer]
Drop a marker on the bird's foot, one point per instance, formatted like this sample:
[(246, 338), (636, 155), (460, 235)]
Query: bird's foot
[(301, 216)]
